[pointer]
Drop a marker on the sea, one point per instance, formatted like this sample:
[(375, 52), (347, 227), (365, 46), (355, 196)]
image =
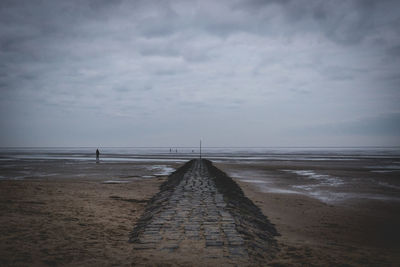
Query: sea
[(330, 174)]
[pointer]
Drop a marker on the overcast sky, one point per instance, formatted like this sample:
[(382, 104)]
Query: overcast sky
[(167, 73)]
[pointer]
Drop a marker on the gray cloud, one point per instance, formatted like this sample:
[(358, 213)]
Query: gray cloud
[(381, 125), (394, 51), (73, 69)]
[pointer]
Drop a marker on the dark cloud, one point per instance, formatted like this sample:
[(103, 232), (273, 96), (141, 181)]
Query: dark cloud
[(344, 22), (394, 51), (139, 61)]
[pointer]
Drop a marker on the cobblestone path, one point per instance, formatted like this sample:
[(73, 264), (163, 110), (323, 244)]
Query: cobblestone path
[(193, 222)]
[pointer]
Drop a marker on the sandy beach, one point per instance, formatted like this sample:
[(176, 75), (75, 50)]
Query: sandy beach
[(68, 222), (87, 220), (315, 233), (355, 231)]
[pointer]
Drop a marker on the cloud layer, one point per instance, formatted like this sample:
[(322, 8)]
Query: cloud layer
[(162, 73)]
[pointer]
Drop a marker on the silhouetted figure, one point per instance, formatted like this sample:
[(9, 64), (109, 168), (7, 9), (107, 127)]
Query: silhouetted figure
[(97, 155)]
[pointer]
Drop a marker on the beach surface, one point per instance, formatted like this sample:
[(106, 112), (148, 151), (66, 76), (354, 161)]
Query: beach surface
[(67, 222), (85, 214)]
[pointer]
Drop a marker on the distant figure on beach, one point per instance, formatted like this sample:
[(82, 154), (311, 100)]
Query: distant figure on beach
[(97, 155)]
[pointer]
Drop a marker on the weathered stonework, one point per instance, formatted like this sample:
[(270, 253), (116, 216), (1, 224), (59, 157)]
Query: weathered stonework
[(200, 211)]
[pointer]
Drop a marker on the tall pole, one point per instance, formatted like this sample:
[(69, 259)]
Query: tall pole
[(200, 148)]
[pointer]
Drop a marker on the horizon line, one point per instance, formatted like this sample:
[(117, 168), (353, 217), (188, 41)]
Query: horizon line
[(167, 147)]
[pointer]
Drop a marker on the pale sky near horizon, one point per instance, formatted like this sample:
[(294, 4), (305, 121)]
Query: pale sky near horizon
[(167, 73)]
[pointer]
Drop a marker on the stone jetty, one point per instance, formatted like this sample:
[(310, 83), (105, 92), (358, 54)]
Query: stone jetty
[(201, 216)]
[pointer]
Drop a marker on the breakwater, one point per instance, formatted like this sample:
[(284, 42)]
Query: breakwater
[(201, 214)]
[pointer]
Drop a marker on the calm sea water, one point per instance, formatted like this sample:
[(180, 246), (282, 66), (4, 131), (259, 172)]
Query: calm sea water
[(185, 153)]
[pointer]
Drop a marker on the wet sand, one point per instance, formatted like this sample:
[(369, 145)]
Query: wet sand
[(86, 222), (315, 233), (355, 232), (69, 222)]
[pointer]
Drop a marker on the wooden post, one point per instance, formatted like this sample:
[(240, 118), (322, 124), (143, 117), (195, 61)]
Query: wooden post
[(200, 148)]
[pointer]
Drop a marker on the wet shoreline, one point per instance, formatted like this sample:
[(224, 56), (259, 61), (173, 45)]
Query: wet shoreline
[(328, 212)]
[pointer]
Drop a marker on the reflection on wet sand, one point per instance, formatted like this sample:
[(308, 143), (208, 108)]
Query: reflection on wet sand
[(340, 209)]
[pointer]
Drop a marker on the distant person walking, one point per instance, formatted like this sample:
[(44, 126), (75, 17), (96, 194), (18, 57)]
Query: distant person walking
[(97, 155)]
